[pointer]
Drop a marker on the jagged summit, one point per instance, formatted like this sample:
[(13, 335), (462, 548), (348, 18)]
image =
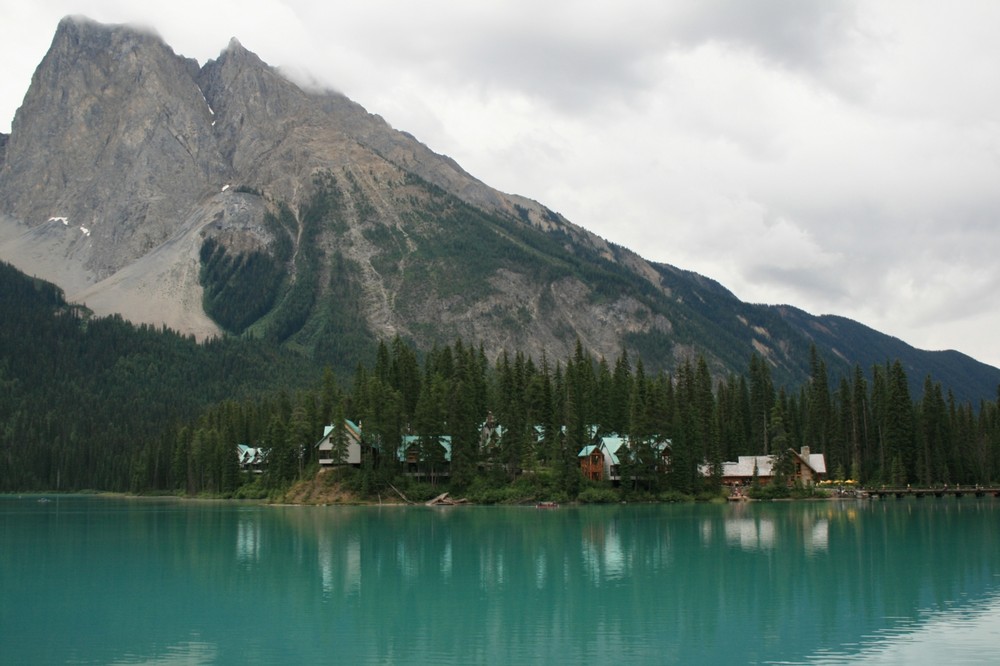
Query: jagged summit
[(112, 134), (237, 51), (78, 28), (226, 198), (76, 33)]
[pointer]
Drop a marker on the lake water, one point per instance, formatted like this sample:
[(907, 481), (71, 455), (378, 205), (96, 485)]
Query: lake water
[(123, 581)]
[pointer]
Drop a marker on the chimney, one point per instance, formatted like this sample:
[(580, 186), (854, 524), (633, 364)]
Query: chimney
[(805, 453)]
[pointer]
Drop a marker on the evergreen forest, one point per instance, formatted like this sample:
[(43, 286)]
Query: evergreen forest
[(100, 404)]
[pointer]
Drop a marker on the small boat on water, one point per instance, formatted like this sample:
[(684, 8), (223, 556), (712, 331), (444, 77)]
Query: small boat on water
[(547, 505)]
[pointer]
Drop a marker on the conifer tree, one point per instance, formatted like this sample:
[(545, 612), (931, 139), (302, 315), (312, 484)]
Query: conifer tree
[(930, 458), (463, 419), (817, 407), (899, 423), (782, 465), (621, 393), (281, 460), (638, 459), (405, 375), (761, 403), (860, 438), (230, 472), (329, 395), (704, 405), (338, 437), (181, 467), (604, 397)]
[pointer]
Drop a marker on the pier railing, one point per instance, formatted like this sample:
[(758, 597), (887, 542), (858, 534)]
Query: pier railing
[(942, 491)]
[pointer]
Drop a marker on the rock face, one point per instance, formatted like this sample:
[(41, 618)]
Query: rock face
[(124, 156), (113, 136)]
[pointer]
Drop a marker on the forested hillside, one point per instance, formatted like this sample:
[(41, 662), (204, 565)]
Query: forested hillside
[(99, 403), (80, 396)]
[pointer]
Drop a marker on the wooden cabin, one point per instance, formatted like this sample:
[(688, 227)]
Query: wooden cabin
[(420, 461), (808, 468), (354, 445)]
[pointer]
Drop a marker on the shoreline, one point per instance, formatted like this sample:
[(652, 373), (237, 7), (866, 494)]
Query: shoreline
[(40, 495)]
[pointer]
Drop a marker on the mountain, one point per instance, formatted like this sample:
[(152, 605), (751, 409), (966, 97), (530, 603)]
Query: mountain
[(224, 198)]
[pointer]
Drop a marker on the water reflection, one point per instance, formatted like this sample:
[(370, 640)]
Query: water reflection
[(339, 563), (748, 529), (191, 653), (642, 576), (247, 539), (818, 536), (962, 635), (602, 553), (797, 583), (750, 533)]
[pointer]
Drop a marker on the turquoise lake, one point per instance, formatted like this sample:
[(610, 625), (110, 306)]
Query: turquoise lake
[(97, 580)]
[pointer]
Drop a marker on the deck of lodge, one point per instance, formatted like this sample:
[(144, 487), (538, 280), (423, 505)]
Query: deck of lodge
[(956, 491)]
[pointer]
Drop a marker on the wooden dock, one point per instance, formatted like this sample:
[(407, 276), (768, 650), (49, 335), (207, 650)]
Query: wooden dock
[(944, 491)]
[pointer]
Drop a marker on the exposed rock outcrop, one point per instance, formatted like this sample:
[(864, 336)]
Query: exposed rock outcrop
[(115, 137)]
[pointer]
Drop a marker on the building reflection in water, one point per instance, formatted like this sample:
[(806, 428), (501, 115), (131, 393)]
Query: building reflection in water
[(750, 533), (248, 539), (446, 560), (602, 553), (818, 537), (347, 554), (738, 572), (759, 532)]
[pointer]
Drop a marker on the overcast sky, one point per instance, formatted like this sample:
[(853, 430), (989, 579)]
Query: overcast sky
[(843, 157)]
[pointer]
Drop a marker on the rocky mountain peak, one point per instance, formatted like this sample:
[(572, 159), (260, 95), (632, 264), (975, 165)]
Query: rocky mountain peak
[(255, 112), (125, 156), (76, 32), (235, 49), (114, 136)]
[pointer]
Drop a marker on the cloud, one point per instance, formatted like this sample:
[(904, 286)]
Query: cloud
[(792, 34)]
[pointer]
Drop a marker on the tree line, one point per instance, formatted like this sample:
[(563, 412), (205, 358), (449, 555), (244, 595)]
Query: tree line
[(97, 403), (868, 426)]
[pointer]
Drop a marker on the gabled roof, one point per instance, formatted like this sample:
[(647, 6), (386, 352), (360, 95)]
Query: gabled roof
[(354, 430), (817, 461), (410, 440), (609, 445), (662, 446), (612, 444), (249, 455), (744, 465)]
